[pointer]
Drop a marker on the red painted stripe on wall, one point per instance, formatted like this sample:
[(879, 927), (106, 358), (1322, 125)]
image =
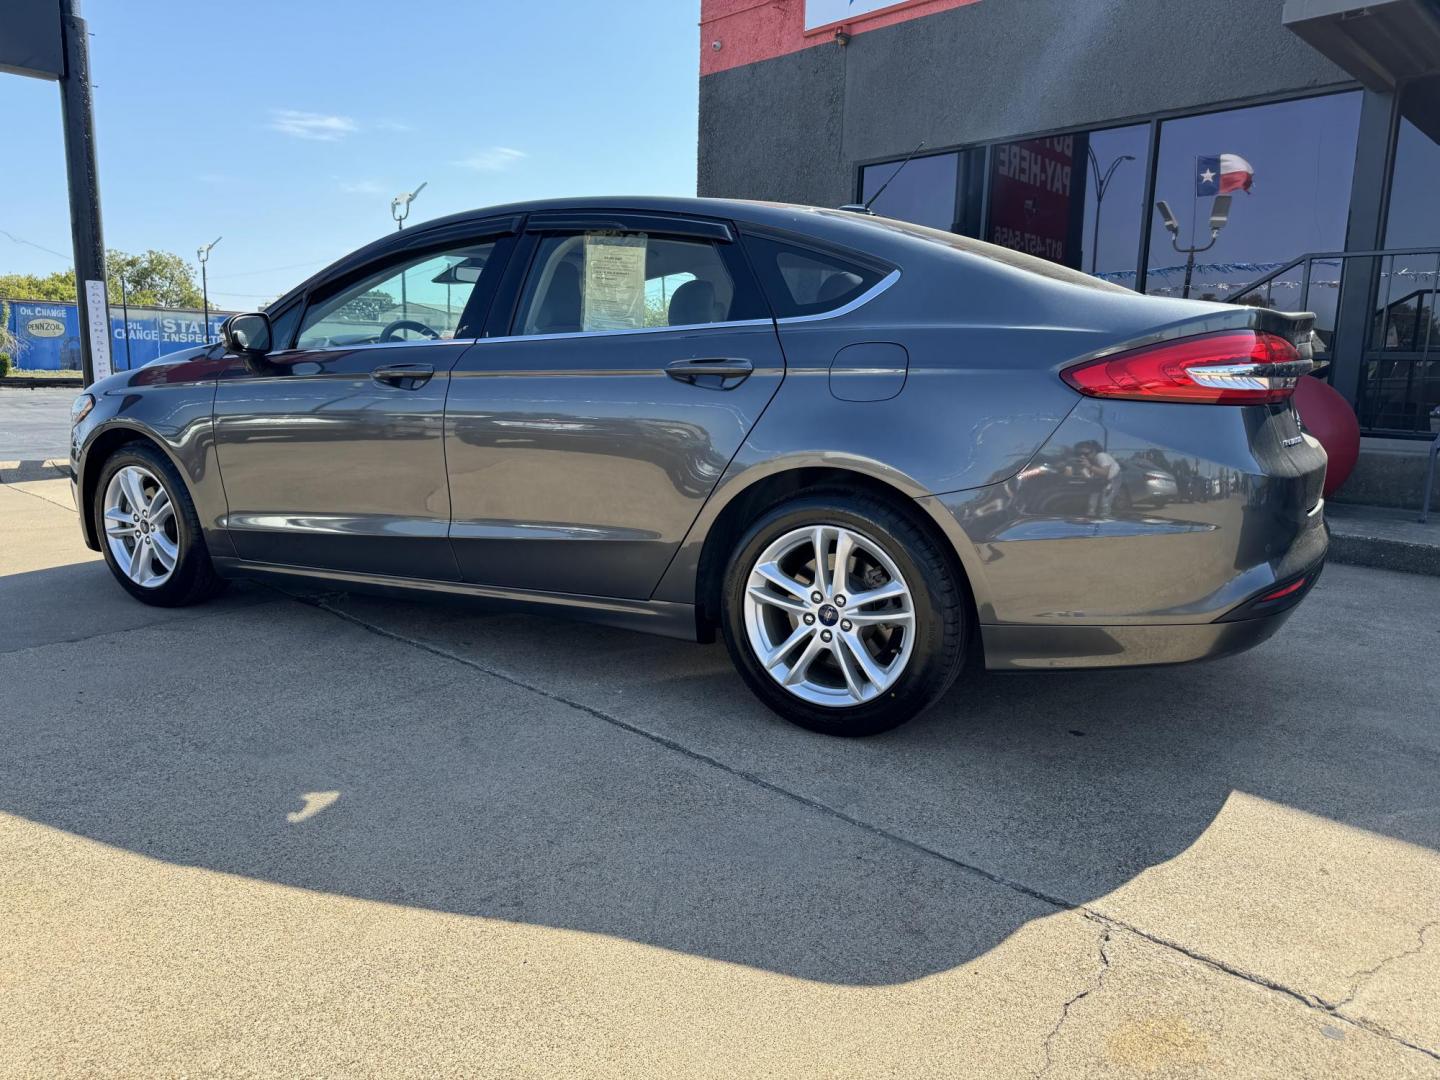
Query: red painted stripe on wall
[(738, 32)]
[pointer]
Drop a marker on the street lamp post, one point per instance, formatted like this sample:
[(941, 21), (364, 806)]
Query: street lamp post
[(1101, 185), (400, 205), (400, 210), (203, 254), (1219, 214)]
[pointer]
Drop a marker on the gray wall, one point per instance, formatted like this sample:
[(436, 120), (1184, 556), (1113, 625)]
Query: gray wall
[(795, 128)]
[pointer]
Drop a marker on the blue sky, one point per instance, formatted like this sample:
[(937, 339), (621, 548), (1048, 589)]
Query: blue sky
[(286, 127)]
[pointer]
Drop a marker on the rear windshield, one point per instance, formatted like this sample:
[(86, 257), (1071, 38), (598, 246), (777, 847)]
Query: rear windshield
[(971, 246)]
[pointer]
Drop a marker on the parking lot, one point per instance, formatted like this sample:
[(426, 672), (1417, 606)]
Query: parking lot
[(328, 835)]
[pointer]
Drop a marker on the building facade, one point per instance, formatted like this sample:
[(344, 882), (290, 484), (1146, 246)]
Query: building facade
[(1059, 127)]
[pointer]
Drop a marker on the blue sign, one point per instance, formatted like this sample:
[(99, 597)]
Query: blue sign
[(48, 335)]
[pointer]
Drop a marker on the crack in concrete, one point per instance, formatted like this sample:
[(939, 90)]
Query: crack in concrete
[(323, 603), (158, 624), (1361, 977), (10, 485), (1093, 988)]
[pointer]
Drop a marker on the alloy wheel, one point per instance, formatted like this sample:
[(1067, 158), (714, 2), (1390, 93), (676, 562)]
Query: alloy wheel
[(140, 526), (829, 615)]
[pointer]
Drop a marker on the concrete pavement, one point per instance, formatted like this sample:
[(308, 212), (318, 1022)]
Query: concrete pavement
[(35, 424), (333, 835)]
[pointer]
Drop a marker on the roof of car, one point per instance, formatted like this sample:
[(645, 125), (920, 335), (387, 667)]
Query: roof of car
[(878, 236), (815, 221)]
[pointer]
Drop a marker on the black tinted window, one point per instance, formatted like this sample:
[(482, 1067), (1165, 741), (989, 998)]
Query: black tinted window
[(804, 281)]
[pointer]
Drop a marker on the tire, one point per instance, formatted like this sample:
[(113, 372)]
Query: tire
[(190, 577), (916, 658)]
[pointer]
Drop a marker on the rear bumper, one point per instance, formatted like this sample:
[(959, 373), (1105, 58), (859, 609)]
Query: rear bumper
[(1068, 572), (1026, 648)]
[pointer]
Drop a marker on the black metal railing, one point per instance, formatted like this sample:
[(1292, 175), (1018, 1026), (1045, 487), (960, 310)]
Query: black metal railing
[(1398, 390)]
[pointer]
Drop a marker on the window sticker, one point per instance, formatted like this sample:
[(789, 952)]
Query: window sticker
[(614, 282)]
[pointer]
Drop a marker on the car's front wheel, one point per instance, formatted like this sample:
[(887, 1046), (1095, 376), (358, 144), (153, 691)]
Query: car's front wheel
[(842, 614), (149, 531)]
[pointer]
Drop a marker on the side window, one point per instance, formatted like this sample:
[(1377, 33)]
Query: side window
[(282, 326), (423, 298), (805, 281), (597, 281)]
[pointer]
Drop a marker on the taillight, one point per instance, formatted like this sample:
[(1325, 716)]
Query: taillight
[(1231, 367)]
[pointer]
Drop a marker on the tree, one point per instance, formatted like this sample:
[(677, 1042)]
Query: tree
[(58, 287), (154, 279)]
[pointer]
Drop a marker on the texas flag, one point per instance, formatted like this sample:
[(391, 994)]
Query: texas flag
[(1222, 173)]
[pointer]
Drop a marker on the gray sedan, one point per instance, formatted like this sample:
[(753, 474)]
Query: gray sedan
[(861, 450)]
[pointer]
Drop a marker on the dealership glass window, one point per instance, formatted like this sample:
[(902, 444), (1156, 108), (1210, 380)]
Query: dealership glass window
[(1046, 199), (922, 192), (1288, 166), (1414, 217)]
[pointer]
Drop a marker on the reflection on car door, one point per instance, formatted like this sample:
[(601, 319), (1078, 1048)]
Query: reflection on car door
[(578, 460), (332, 453)]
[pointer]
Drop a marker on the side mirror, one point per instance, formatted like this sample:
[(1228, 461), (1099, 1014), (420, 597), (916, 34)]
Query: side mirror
[(247, 334)]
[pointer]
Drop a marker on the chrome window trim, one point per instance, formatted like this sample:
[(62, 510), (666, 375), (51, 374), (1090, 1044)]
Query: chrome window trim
[(845, 309), (621, 333), (377, 345)]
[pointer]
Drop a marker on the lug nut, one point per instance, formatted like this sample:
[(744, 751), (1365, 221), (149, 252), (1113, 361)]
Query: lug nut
[(840, 601), (809, 620), (846, 626), (825, 635), (816, 597)]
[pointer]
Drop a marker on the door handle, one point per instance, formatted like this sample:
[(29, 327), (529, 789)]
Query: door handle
[(720, 372), (405, 376)]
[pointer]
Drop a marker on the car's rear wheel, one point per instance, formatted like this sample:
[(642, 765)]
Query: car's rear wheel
[(149, 531), (842, 614)]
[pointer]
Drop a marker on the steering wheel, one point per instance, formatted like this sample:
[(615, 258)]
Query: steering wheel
[(388, 334)]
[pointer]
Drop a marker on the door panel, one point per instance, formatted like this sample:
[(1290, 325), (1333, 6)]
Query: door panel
[(326, 465), (332, 452), (578, 461)]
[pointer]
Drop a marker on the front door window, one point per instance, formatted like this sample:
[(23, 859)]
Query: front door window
[(423, 299)]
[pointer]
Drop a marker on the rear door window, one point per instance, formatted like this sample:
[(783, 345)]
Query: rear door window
[(594, 282), (807, 281)]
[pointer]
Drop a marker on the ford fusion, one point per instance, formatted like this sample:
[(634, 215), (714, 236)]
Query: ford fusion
[(865, 452)]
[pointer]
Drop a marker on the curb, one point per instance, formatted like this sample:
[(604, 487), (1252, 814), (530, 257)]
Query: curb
[(1383, 553), (1357, 542), (39, 382), (19, 472)]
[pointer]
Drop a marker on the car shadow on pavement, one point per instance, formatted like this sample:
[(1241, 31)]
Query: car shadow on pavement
[(523, 769)]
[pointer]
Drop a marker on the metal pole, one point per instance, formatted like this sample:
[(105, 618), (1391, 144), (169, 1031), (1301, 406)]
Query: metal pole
[(1095, 246), (125, 310), (77, 113), (203, 254), (1189, 269), (1100, 186)]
